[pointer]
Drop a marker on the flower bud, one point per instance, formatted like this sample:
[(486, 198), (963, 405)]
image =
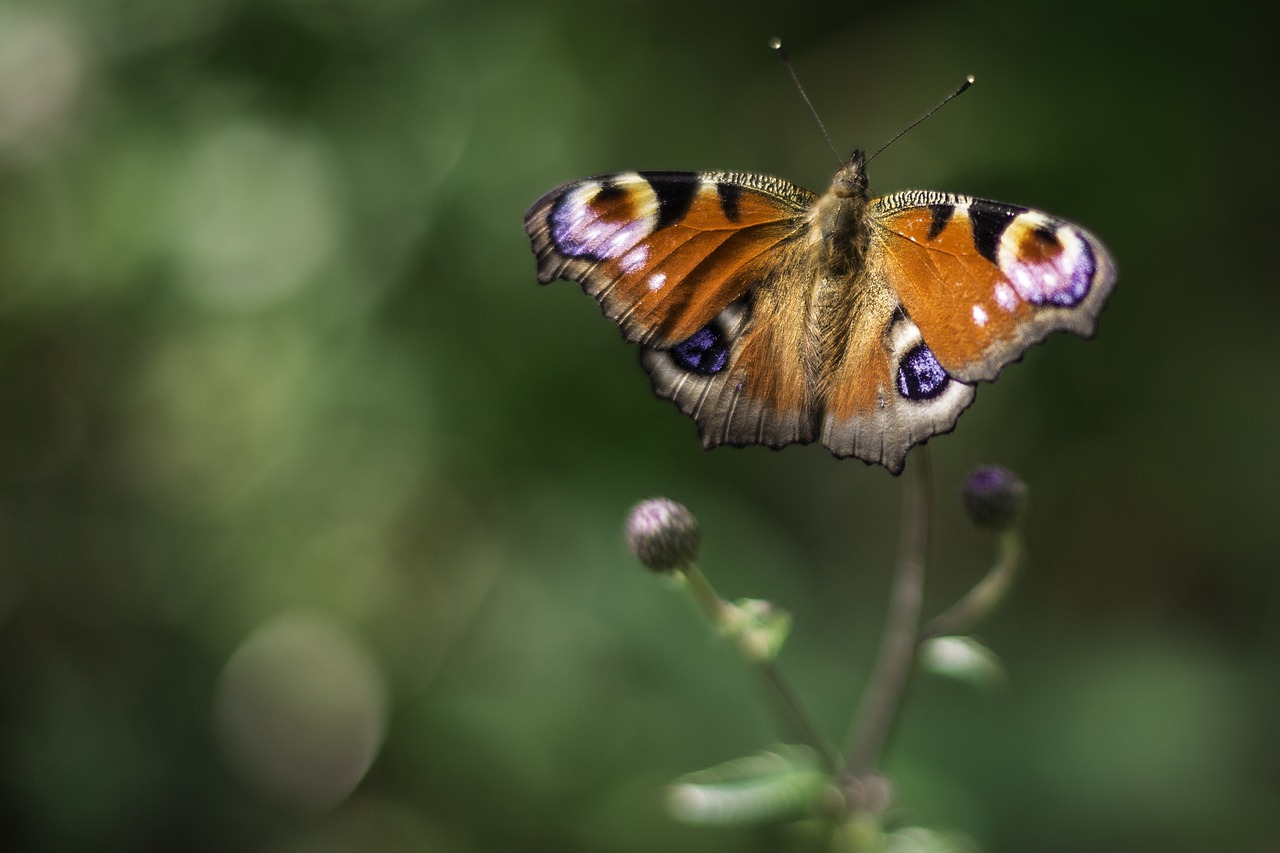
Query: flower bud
[(663, 534), (994, 497)]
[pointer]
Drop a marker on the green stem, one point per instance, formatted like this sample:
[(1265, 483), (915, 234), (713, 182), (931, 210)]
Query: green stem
[(786, 702), (898, 643), (960, 617)]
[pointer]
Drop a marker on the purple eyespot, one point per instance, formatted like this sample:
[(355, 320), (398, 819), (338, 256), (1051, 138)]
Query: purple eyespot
[(1079, 277), (920, 377), (1050, 265)]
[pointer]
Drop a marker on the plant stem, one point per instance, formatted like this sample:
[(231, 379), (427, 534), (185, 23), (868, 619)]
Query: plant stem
[(960, 617), (898, 643), (787, 704)]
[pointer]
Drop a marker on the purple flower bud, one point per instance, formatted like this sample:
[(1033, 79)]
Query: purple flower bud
[(663, 534), (994, 497)]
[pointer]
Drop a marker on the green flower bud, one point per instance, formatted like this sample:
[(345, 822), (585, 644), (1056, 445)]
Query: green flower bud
[(663, 534), (994, 497)]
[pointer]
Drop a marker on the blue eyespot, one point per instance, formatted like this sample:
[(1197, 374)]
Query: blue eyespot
[(920, 377), (706, 353)]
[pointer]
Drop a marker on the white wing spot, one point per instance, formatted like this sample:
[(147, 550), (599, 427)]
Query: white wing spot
[(656, 281), (634, 259), (1005, 297), (979, 316)]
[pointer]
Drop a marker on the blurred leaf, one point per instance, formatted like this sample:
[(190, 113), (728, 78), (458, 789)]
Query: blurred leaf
[(759, 626), (783, 783), (918, 839)]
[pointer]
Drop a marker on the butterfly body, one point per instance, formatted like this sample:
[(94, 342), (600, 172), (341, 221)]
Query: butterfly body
[(771, 315)]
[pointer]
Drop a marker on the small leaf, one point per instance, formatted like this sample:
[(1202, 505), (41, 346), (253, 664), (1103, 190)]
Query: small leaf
[(860, 833), (917, 839), (759, 628), (768, 786), (962, 658)]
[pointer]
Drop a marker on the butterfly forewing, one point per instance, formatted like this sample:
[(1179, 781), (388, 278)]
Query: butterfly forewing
[(984, 280), (663, 252)]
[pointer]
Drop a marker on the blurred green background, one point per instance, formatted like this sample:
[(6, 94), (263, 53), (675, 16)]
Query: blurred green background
[(310, 497)]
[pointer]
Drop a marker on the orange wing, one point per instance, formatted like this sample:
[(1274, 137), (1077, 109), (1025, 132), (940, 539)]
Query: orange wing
[(887, 392), (983, 280), (703, 270), (663, 252)]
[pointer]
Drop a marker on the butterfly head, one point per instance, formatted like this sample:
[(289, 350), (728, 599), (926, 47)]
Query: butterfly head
[(851, 180)]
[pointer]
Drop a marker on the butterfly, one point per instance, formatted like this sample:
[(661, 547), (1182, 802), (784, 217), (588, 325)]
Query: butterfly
[(772, 315)]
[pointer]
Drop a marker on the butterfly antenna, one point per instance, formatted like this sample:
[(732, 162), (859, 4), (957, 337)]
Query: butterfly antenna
[(968, 81), (776, 44)]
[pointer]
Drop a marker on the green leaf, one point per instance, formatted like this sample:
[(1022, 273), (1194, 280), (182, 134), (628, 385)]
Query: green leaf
[(772, 785), (918, 839), (758, 627)]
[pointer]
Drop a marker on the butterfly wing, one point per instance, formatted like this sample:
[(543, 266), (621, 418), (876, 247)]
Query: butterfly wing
[(953, 289), (984, 280), (700, 270)]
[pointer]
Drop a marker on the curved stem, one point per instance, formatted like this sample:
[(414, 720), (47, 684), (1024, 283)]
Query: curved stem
[(787, 704), (960, 617), (898, 643)]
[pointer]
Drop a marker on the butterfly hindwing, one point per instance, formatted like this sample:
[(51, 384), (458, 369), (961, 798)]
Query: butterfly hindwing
[(887, 392), (743, 377)]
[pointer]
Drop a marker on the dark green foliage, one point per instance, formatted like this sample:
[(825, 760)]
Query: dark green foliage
[(271, 346)]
